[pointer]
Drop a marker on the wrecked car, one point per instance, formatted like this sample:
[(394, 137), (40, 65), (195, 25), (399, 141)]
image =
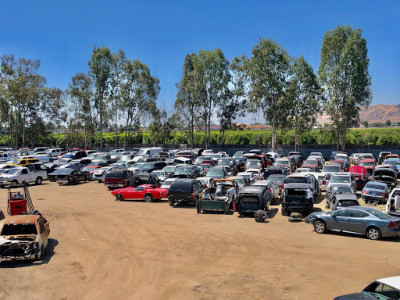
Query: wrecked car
[(219, 196), (24, 237)]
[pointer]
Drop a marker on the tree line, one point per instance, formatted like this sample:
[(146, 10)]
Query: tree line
[(121, 93)]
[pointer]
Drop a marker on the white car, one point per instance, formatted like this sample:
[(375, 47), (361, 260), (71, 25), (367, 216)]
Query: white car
[(167, 183), (256, 173), (249, 176), (384, 288), (206, 181), (100, 173), (18, 175)]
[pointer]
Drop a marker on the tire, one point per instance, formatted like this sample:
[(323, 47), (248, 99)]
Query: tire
[(259, 219), (38, 181), (171, 202), (70, 181), (99, 181), (14, 183), (148, 198), (319, 226), (283, 212), (374, 233), (118, 197)]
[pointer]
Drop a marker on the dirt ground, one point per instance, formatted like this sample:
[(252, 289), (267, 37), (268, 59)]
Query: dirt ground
[(103, 249)]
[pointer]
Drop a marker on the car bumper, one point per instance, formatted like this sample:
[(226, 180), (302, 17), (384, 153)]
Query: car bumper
[(373, 198), (390, 232), (30, 256)]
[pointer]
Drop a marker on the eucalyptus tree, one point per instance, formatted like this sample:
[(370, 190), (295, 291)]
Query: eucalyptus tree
[(268, 71), (139, 92), (100, 70), (160, 127), (304, 97), (186, 103), (344, 75), (211, 78), (81, 93)]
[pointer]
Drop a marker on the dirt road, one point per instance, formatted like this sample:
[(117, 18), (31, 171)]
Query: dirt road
[(103, 249)]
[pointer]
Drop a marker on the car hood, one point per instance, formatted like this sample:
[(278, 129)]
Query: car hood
[(354, 297), (117, 191)]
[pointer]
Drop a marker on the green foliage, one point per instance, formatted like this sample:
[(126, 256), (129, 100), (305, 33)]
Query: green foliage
[(388, 123)]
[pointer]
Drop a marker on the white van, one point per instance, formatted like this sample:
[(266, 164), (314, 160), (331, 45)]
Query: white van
[(150, 152), (54, 152)]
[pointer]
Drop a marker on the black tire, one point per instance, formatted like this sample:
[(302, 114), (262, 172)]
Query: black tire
[(171, 202), (259, 219), (70, 181), (99, 181), (283, 212), (118, 197), (38, 181), (374, 233), (148, 198), (319, 226), (14, 183)]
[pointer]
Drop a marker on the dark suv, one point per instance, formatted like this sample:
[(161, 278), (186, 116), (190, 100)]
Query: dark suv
[(118, 179), (297, 197), (185, 190)]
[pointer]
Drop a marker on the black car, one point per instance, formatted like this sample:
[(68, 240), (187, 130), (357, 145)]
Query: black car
[(297, 157), (252, 199), (70, 176), (185, 190), (276, 170), (385, 175), (152, 166), (189, 171), (297, 197), (144, 178)]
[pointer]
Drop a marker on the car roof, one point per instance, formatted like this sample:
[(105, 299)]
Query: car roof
[(393, 281), (22, 219), (252, 189)]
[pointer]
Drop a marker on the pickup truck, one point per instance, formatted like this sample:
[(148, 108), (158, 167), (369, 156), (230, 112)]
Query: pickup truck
[(18, 175), (218, 197)]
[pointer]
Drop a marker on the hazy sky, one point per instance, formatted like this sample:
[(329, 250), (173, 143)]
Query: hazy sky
[(160, 33)]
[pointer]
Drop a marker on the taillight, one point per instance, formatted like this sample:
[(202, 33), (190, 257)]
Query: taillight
[(234, 206), (192, 195), (384, 195), (392, 224), (323, 181), (283, 186), (364, 192)]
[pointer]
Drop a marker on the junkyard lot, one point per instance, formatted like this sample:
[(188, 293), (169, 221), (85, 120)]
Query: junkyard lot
[(103, 249)]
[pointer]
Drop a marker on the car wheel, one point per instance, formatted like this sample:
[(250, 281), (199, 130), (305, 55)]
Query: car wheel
[(148, 198), (283, 212), (118, 197), (14, 183), (38, 181), (374, 233), (171, 203), (320, 226)]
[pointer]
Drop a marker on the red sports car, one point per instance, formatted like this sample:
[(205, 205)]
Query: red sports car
[(146, 192)]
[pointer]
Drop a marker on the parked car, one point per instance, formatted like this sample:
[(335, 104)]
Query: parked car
[(385, 175), (360, 220), (146, 192), (118, 179), (145, 178), (276, 170), (219, 196), (206, 181), (395, 163), (217, 172), (167, 183), (24, 237), (385, 289), (189, 171), (185, 190), (342, 177), (252, 199), (297, 157), (368, 164), (100, 173), (303, 170), (274, 189), (346, 200), (331, 168), (382, 156), (285, 162), (70, 176), (298, 198), (278, 180), (339, 189), (304, 178), (312, 164), (375, 192), (162, 175)]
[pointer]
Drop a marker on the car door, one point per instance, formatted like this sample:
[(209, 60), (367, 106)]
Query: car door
[(353, 183), (137, 193), (358, 221), (44, 232), (79, 176), (340, 220), (25, 176)]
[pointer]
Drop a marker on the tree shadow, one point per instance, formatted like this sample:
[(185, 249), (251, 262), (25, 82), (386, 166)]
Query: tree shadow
[(48, 254)]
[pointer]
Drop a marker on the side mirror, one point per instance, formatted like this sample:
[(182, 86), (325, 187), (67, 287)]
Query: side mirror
[(333, 216)]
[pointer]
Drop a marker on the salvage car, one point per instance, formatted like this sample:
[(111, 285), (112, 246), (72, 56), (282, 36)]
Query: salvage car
[(24, 237), (297, 198), (383, 289), (118, 179), (346, 200), (338, 189), (360, 220), (146, 192), (70, 176), (385, 175), (375, 192), (219, 196), (252, 199), (185, 190)]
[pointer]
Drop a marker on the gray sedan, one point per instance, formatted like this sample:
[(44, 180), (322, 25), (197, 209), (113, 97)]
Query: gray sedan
[(375, 191), (355, 219)]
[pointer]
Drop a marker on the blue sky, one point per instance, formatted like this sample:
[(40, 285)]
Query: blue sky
[(160, 33)]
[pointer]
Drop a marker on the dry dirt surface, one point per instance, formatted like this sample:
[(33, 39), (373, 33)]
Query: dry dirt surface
[(103, 249)]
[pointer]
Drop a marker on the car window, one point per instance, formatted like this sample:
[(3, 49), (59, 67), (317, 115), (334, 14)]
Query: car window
[(24, 171), (359, 214), (343, 213)]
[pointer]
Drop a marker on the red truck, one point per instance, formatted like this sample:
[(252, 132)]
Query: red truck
[(118, 179)]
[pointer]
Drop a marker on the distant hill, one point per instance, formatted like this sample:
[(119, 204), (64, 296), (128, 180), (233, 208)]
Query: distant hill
[(374, 113)]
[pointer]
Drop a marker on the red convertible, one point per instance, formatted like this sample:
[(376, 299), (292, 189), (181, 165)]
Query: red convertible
[(146, 192)]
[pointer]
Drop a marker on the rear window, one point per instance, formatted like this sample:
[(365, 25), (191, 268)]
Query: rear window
[(295, 180), (115, 175), (376, 187), (331, 169), (183, 187), (16, 229), (296, 192)]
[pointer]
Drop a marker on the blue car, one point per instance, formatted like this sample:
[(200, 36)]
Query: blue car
[(356, 219)]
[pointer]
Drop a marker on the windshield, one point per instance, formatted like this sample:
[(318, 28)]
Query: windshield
[(367, 164), (376, 186), (215, 173), (215, 155), (16, 229), (13, 171), (159, 173), (343, 190), (331, 169), (141, 151), (275, 179), (340, 179), (310, 162), (183, 171), (169, 169), (226, 161), (146, 167), (295, 180), (282, 163), (115, 175)]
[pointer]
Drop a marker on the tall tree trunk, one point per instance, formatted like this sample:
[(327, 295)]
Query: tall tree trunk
[(295, 138), (273, 134)]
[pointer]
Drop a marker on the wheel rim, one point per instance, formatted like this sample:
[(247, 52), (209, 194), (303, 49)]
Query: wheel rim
[(148, 199), (373, 234), (319, 227)]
